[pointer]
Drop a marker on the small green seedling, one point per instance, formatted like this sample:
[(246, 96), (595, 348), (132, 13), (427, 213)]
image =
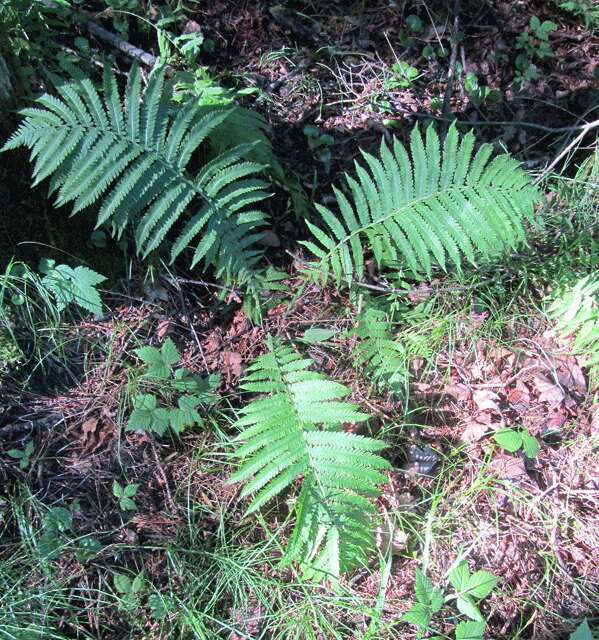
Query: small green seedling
[(57, 537), (514, 440), (154, 411), (320, 144), (404, 76), (130, 591), (22, 455), (125, 495), (533, 44), (76, 286), (469, 589)]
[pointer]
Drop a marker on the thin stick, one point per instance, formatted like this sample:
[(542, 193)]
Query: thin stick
[(452, 60), (585, 129)]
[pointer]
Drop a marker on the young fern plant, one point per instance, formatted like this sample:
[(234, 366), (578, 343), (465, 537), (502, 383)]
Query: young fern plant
[(575, 312), (134, 156), (295, 432), (427, 207)]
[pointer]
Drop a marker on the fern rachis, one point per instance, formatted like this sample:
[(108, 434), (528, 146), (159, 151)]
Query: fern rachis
[(283, 442), (423, 208)]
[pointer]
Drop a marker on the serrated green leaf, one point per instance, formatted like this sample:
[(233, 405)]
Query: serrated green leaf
[(117, 489), (419, 615), (130, 490), (139, 583), (160, 361), (459, 576), (481, 583), (58, 519), (469, 630), (530, 445), (508, 439), (467, 606), (127, 504), (122, 583)]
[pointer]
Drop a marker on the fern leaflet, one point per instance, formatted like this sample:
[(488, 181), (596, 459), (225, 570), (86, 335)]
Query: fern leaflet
[(575, 311), (283, 442), (423, 208)]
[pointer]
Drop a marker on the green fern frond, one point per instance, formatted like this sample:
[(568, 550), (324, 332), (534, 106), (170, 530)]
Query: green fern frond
[(380, 354), (425, 208), (133, 156), (295, 431), (575, 311)]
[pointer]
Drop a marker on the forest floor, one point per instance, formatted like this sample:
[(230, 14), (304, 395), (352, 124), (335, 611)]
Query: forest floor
[(482, 356)]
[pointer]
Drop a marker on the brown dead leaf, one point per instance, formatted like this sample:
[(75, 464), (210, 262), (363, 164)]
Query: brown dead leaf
[(548, 391), (571, 377), (164, 326), (509, 467), (459, 391), (520, 394), (485, 400), (231, 365), (476, 427)]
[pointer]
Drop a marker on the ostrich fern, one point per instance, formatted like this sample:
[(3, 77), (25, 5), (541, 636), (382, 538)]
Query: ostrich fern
[(134, 156), (427, 207), (340, 471)]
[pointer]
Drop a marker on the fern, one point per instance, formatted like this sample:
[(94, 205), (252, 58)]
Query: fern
[(380, 354), (341, 471), (433, 207), (133, 157), (575, 311)]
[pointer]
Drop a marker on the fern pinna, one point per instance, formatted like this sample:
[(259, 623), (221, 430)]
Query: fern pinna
[(134, 158), (425, 209), (295, 432)]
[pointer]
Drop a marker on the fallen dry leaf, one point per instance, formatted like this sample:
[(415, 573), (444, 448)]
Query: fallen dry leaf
[(475, 428), (509, 467), (459, 391), (548, 391), (231, 365), (485, 400)]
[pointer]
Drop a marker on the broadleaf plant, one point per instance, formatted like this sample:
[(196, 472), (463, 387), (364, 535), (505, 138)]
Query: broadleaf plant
[(154, 411), (468, 590), (295, 431)]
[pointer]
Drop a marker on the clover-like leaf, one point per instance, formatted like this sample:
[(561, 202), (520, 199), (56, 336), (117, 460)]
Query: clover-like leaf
[(146, 416)]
